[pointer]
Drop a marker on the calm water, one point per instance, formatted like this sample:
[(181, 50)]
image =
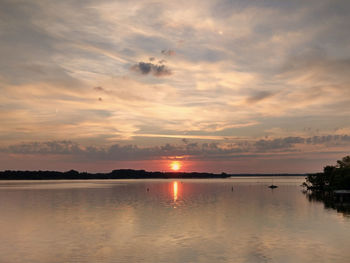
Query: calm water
[(174, 221)]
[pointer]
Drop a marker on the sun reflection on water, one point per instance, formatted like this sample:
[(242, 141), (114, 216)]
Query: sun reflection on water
[(175, 190)]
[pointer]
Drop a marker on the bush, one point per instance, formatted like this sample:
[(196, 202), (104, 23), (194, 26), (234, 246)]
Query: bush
[(333, 177)]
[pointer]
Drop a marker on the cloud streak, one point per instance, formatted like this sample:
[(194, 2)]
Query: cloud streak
[(168, 52), (186, 149)]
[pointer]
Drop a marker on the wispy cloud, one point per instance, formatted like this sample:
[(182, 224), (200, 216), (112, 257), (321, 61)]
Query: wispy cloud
[(162, 70), (168, 52)]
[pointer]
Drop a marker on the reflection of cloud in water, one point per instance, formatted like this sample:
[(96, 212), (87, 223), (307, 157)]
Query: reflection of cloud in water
[(126, 223)]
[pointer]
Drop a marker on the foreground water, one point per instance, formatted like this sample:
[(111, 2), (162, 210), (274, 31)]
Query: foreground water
[(168, 221)]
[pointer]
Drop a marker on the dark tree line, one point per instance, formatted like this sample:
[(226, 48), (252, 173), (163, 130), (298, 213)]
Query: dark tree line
[(115, 174), (334, 177)]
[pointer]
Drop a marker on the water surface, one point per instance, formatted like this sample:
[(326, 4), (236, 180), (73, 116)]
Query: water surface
[(211, 220)]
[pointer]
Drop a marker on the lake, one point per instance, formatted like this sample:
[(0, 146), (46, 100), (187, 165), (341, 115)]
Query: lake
[(211, 220)]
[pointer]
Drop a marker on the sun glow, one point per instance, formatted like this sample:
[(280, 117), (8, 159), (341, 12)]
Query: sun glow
[(175, 166)]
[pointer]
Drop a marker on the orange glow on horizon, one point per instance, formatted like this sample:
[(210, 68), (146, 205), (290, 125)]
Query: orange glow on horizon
[(175, 166)]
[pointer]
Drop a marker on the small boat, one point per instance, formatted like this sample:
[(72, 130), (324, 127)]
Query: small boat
[(273, 186)]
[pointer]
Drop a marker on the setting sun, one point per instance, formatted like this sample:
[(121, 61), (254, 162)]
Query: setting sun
[(175, 166)]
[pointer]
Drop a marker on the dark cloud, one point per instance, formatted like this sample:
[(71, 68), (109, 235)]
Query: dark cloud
[(317, 65), (50, 147), (185, 141), (278, 144), (290, 142), (168, 52), (328, 139), (258, 96), (121, 152), (99, 88), (193, 150), (151, 68), (103, 90)]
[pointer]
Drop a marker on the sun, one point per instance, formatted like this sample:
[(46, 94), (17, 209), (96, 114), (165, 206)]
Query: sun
[(175, 166)]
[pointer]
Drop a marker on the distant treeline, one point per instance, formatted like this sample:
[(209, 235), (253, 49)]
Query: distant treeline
[(115, 174), (334, 177)]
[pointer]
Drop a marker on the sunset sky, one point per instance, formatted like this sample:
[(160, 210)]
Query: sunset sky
[(220, 85)]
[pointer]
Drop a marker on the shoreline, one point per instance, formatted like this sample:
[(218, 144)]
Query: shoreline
[(123, 174)]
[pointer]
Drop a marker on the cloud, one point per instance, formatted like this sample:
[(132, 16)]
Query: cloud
[(334, 139), (168, 52), (157, 70), (278, 144), (50, 147), (119, 152), (290, 142), (189, 150), (315, 66), (99, 88), (280, 66), (259, 96)]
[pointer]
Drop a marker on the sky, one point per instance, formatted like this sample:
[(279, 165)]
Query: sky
[(259, 86)]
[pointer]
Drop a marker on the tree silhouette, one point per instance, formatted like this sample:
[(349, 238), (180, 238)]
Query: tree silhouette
[(333, 177)]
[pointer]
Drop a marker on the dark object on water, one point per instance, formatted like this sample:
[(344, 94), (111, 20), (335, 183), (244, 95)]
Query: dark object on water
[(273, 186), (232, 189), (147, 189)]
